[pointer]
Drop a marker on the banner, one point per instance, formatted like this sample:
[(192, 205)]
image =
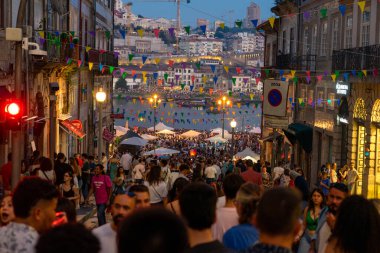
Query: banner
[(275, 97)]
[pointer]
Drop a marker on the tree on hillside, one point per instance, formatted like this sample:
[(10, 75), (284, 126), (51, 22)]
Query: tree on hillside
[(121, 84)]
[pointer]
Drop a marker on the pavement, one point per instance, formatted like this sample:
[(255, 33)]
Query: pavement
[(86, 215)]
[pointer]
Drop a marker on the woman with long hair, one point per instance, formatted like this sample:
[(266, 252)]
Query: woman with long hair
[(357, 227), (245, 234), (119, 181), (310, 219), (45, 171), (173, 195), (76, 171), (68, 189), (157, 187)]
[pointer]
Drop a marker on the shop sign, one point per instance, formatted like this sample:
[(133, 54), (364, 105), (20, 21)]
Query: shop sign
[(342, 88), (342, 120)]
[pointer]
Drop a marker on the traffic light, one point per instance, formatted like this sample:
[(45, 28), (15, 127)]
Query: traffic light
[(11, 113)]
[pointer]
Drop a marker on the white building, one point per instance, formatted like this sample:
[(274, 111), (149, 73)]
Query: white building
[(145, 44), (201, 46), (248, 42)]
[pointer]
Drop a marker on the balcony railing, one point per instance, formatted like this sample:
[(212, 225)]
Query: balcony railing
[(356, 58), (301, 62)]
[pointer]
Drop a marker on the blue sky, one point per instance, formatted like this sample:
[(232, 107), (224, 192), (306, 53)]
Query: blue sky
[(225, 10)]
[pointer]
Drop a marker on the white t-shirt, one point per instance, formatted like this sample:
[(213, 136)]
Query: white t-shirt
[(218, 170), (324, 235), (126, 161), (352, 176), (210, 172), (226, 217), (277, 172), (138, 171), (157, 192), (107, 238), (49, 175)]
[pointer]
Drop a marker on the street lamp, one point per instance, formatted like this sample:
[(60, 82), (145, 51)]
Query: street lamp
[(223, 102), (233, 126), (154, 102), (100, 98)]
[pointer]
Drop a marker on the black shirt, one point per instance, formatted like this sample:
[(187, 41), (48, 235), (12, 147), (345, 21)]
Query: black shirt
[(210, 247), (266, 248), (60, 169)]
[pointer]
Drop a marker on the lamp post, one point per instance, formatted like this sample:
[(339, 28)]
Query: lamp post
[(154, 102), (100, 98), (223, 102), (233, 126)]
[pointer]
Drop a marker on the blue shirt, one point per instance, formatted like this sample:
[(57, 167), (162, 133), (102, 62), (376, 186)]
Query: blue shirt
[(240, 237)]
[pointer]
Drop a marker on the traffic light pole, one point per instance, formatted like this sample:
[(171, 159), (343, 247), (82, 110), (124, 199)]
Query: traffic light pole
[(17, 135)]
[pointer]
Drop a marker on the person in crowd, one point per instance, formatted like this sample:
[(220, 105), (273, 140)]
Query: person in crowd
[(76, 171), (352, 178), (325, 183), (34, 202), (241, 236), (164, 170), (6, 211), (119, 181), (343, 174), (250, 175), (210, 172), (198, 208), (174, 174), (337, 193), (142, 195), (333, 174), (173, 195), (123, 204), (6, 173), (126, 162), (310, 219), (45, 171), (86, 176), (104, 162), (138, 172), (68, 190), (285, 180), (65, 212), (153, 230), (267, 180), (73, 238), (158, 190), (60, 168), (277, 218), (227, 216), (101, 187), (113, 167), (357, 227)]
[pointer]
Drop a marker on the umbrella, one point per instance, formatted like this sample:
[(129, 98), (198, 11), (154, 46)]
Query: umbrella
[(129, 134), (148, 137), (250, 158), (161, 151), (190, 134), (219, 131), (217, 138), (134, 141), (248, 152), (255, 130), (166, 131), (160, 126)]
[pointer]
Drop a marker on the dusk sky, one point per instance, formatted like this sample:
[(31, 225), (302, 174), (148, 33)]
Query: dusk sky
[(226, 10)]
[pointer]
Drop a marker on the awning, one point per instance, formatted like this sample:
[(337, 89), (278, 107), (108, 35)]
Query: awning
[(301, 133), (271, 137), (72, 128)]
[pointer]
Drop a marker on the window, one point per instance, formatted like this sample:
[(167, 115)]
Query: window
[(291, 46), (284, 50), (306, 41), (335, 34), (324, 39), (331, 101), (365, 28), (348, 32), (320, 101), (314, 40)]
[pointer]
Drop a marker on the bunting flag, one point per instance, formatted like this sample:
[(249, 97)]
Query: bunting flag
[(140, 32), (215, 79), (192, 79), (323, 12), (255, 22), (333, 77), (108, 34), (183, 65), (234, 81), (112, 68), (342, 9), (187, 29), (183, 86), (171, 31), (308, 79), (257, 79), (103, 69), (156, 32), (171, 62), (221, 25), (203, 28), (245, 80), (267, 71), (144, 74), (88, 49), (176, 77), (130, 57), (92, 33), (319, 78), (155, 75), (41, 34), (308, 73), (213, 68), (281, 72), (166, 75), (100, 67), (238, 23), (295, 80), (198, 65), (90, 65), (144, 58), (251, 96), (211, 91), (204, 79), (361, 5), (292, 73), (133, 72), (337, 73), (157, 60), (346, 76), (122, 32), (226, 68), (79, 63), (375, 72), (306, 15), (124, 75), (271, 21), (364, 72), (201, 90), (238, 70)]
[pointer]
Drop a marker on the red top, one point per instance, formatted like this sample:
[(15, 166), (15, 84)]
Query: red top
[(252, 176), (6, 173)]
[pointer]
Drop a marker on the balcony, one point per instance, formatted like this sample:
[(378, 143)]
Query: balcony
[(301, 62), (106, 58), (356, 58)]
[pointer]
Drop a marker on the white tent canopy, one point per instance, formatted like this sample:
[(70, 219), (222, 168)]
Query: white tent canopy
[(161, 151), (219, 131), (217, 138), (255, 130), (134, 141), (160, 126), (148, 137), (250, 158), (166, 132), (120, 131), (190, 134), (248, 152)]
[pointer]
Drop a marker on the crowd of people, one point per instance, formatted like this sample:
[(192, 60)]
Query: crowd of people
[(207, 202)]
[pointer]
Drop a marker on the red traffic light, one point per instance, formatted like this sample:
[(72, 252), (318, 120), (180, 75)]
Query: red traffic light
[(11, 112), (13, 109)]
